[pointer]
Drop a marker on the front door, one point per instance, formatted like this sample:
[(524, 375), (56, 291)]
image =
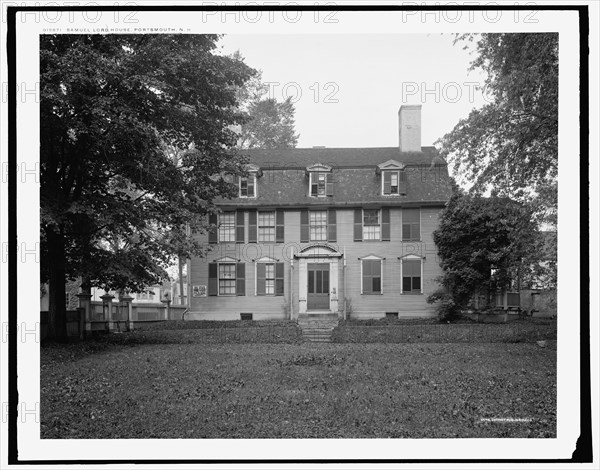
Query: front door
[(318, 286)]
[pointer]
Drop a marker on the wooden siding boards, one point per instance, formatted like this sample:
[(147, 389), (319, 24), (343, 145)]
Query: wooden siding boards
[(362, 305)]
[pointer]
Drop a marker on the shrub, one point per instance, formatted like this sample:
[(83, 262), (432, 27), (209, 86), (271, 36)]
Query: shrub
[(446, 309)]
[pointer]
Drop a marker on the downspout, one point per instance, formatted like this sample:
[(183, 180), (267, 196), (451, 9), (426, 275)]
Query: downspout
[(292, 285), (344, 274)]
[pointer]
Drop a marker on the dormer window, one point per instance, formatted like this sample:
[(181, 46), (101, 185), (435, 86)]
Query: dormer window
[(320, 181), (393, 178), (247, 186)]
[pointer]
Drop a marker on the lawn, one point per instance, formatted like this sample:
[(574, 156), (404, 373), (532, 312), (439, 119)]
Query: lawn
[(103, 390)]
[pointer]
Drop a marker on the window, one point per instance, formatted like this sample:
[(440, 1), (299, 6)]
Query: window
[(269, 278), (226, 279), (321, 184), (266, 226), (411, 224), (247, 186), (411, 276), (145, 296), (371, 276), (227, 227), (371, 225), (390, 182), (318, 225)]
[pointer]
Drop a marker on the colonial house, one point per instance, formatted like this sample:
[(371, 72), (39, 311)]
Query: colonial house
[(344, 231)]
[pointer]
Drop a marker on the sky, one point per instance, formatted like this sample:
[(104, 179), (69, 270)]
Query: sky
[(347, 89)]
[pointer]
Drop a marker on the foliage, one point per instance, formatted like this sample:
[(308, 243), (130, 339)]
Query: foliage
[(510, 145), (485, 245), (271, 123), (114, 197), (446, 308)]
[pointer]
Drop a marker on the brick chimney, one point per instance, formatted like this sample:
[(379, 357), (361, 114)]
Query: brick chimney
[(409, 117)]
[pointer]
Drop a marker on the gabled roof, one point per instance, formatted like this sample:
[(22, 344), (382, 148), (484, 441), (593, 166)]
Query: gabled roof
[(339, 157)]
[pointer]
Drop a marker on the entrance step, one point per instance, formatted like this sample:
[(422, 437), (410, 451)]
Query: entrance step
[(317, 328)]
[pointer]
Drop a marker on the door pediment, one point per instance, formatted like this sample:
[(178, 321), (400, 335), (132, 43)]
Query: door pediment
[(318, 251)]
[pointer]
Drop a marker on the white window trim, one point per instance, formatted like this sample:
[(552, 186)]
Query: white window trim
[(413, 258), (258, 225), (382, 180), (265, 260), (253, 176), (363, 226), (369, 258)]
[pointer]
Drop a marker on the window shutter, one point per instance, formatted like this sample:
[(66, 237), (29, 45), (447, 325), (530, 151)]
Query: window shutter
[(252, 226), (416, 231), (213, 286), (357, 225), (251, 186), (329, 184), (304, 226), (279, 284), (279, 226), (240, 225), (260, 279), (240, 279), (385, 224), (212, 233), (387, 182), (401, 182), (331, 225)]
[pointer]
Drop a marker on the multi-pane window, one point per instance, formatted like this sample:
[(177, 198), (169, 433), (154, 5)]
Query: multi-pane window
[(411, 224), (269, 278), (266, 226), (318, 225), (411, 276), (321, 184), (371, 276), (371, 224), (227, 227), (247, 186), (227, 278), (391, 182)]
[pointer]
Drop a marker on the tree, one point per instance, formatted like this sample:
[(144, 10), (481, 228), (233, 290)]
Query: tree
[(484, 245), (510, 145), (114, 203), (271, 123)]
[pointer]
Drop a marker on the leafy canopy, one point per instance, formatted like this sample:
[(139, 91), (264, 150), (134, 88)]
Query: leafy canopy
[(136, 131), (510, 145), (270, 123), (484, 244)]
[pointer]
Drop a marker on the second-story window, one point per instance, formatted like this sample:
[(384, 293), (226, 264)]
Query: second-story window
[(371, 224), (411, 224), (247, 186), (266, 226), (318, 225), (227, 227)]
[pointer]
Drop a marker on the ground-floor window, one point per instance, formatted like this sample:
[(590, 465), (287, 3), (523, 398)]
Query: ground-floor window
[(226, 278), (269, 279), (411, 276), (371, 276)]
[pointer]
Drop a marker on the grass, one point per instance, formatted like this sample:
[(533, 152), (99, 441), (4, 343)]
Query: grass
[(99, 389)]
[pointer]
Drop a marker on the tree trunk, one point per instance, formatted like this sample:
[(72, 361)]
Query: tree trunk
[(180, 281), (57, 316)]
